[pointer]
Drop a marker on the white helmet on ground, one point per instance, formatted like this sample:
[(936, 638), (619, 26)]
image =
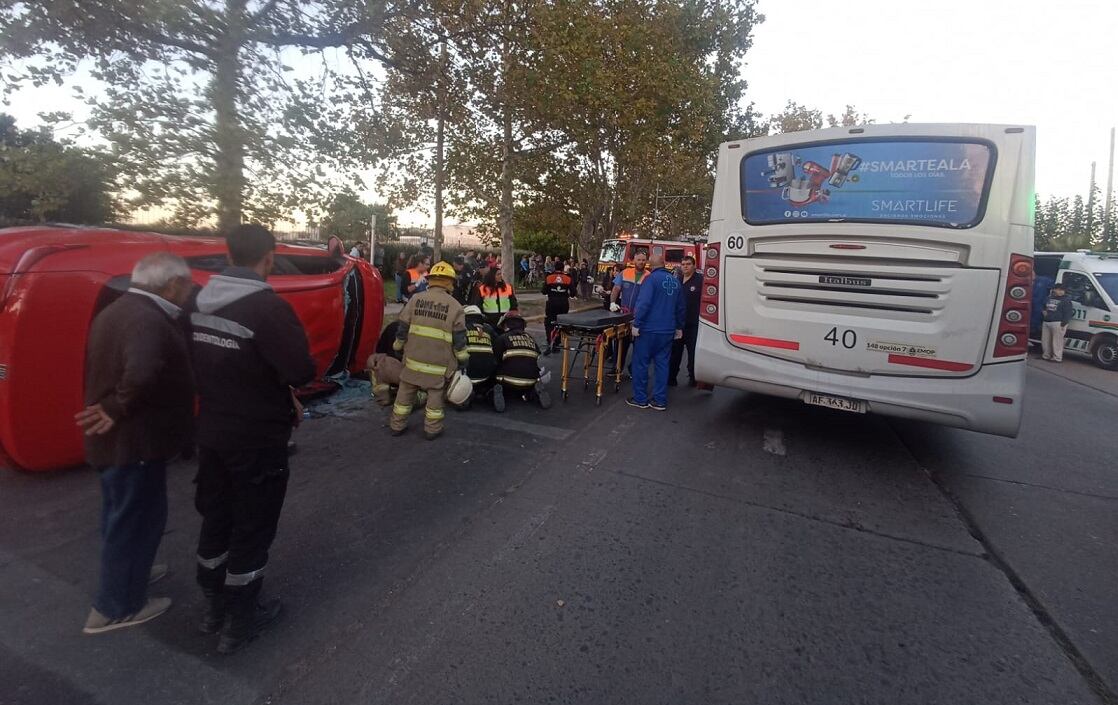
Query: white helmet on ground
[(459, 389)]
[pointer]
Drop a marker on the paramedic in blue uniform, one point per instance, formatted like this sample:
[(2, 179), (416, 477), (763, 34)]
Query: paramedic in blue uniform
[(659, 318), (692, 292)]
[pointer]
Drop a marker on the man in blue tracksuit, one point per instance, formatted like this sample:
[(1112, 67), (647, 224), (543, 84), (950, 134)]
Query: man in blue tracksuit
[(661, 311)]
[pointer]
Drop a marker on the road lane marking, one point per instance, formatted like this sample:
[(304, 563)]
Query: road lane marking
[(774, 442)]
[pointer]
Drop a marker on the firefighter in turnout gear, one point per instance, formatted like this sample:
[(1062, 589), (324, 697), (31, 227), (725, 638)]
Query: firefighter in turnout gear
[(384, 366), (480, 338), (557, 287), (432, 336), (518, 368)]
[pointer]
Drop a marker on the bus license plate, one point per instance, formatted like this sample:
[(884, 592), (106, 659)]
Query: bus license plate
[(856, 406)]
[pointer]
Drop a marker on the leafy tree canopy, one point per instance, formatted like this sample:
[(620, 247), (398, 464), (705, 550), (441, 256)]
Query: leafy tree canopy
[(198, 99), (42, 179), (348, 217)]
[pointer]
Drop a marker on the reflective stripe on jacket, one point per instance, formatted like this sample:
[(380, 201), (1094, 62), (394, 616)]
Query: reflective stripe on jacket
[(433, 337), (518, 353)]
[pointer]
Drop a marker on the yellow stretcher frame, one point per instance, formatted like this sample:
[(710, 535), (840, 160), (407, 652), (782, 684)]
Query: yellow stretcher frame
[(591, 344)]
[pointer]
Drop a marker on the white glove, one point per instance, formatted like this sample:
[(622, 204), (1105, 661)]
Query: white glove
[(614, 308), (635, 331), (679, 335)]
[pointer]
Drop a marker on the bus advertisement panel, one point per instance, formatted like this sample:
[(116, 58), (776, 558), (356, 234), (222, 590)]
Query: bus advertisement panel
[(932, 182)]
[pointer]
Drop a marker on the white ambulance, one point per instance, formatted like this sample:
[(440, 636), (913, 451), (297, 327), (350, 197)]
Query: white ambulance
[(1091, 280)]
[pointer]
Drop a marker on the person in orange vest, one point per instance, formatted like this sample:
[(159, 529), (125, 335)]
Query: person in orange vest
[(557, 287), (415, 278), (432, 337), (623, 298), (494, 296)]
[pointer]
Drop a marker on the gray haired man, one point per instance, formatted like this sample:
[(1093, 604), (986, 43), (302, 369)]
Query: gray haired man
[(139, 393)]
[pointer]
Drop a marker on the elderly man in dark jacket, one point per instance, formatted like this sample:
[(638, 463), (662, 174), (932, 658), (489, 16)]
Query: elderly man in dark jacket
[(140, 395)]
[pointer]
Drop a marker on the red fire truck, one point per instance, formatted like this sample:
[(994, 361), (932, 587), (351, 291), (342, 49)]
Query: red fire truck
[(624, 248)]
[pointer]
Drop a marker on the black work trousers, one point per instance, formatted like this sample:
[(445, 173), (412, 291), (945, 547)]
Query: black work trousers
[(556, 307), (690, 338), (240, 496)]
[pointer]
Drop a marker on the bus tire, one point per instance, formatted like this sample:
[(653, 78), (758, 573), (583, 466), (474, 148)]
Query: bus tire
[(1104, 351)]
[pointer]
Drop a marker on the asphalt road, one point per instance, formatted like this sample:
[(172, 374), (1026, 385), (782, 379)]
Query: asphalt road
[(735, 549)]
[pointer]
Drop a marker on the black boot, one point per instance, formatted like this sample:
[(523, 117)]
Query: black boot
[(246, 615), (212, 581)]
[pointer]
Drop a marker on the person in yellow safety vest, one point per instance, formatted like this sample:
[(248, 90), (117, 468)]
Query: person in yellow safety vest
[(432, 336), (518, 367), (494, 297)]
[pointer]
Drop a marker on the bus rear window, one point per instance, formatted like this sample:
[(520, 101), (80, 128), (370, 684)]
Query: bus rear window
[(941, 183)]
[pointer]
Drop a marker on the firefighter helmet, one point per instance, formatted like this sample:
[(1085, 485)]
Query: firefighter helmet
[(472, 311), (459, 389), (442, 269), (512, 319)]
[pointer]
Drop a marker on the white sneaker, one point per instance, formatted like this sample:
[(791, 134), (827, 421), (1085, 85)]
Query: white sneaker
[(97, 623)]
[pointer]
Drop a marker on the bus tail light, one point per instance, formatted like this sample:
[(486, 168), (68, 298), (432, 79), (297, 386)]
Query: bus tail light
[(1013, 323), (708, 304)]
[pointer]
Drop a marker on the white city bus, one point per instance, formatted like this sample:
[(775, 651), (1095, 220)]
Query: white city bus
[(884, 269)]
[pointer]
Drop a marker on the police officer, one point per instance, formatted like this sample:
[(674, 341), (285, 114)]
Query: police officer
[(480, 338), (249, 351), (692, 294), (518, 367), (557, 287), (432, 336)]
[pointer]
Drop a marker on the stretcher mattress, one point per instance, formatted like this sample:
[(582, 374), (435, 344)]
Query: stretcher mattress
[(597, 319)]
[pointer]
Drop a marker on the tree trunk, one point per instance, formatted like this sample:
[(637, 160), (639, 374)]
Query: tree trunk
[(229, 161), (504, 216), (440, 162)]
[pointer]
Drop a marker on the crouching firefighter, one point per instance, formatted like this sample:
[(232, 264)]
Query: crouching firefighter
[(432, 337), (384, 366), (518, 369), (482, 367)]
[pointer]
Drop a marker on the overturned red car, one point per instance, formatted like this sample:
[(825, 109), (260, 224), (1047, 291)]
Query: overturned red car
[(54, 280)]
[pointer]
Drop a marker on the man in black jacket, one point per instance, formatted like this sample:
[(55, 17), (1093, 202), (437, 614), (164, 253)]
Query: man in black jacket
[(140, 397), (692, 293), (1058, 311), (250, 351)]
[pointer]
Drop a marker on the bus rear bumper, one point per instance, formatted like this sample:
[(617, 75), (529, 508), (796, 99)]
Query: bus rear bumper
[(966, 402)]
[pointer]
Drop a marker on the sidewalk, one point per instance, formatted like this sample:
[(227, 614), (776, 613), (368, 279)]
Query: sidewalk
[(1081, 371)]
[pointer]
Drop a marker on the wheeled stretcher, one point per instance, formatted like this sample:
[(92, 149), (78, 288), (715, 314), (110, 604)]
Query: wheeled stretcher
[(587, 334)]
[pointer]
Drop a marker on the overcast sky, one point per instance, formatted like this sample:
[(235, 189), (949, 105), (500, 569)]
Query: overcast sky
[(1052, 64)]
